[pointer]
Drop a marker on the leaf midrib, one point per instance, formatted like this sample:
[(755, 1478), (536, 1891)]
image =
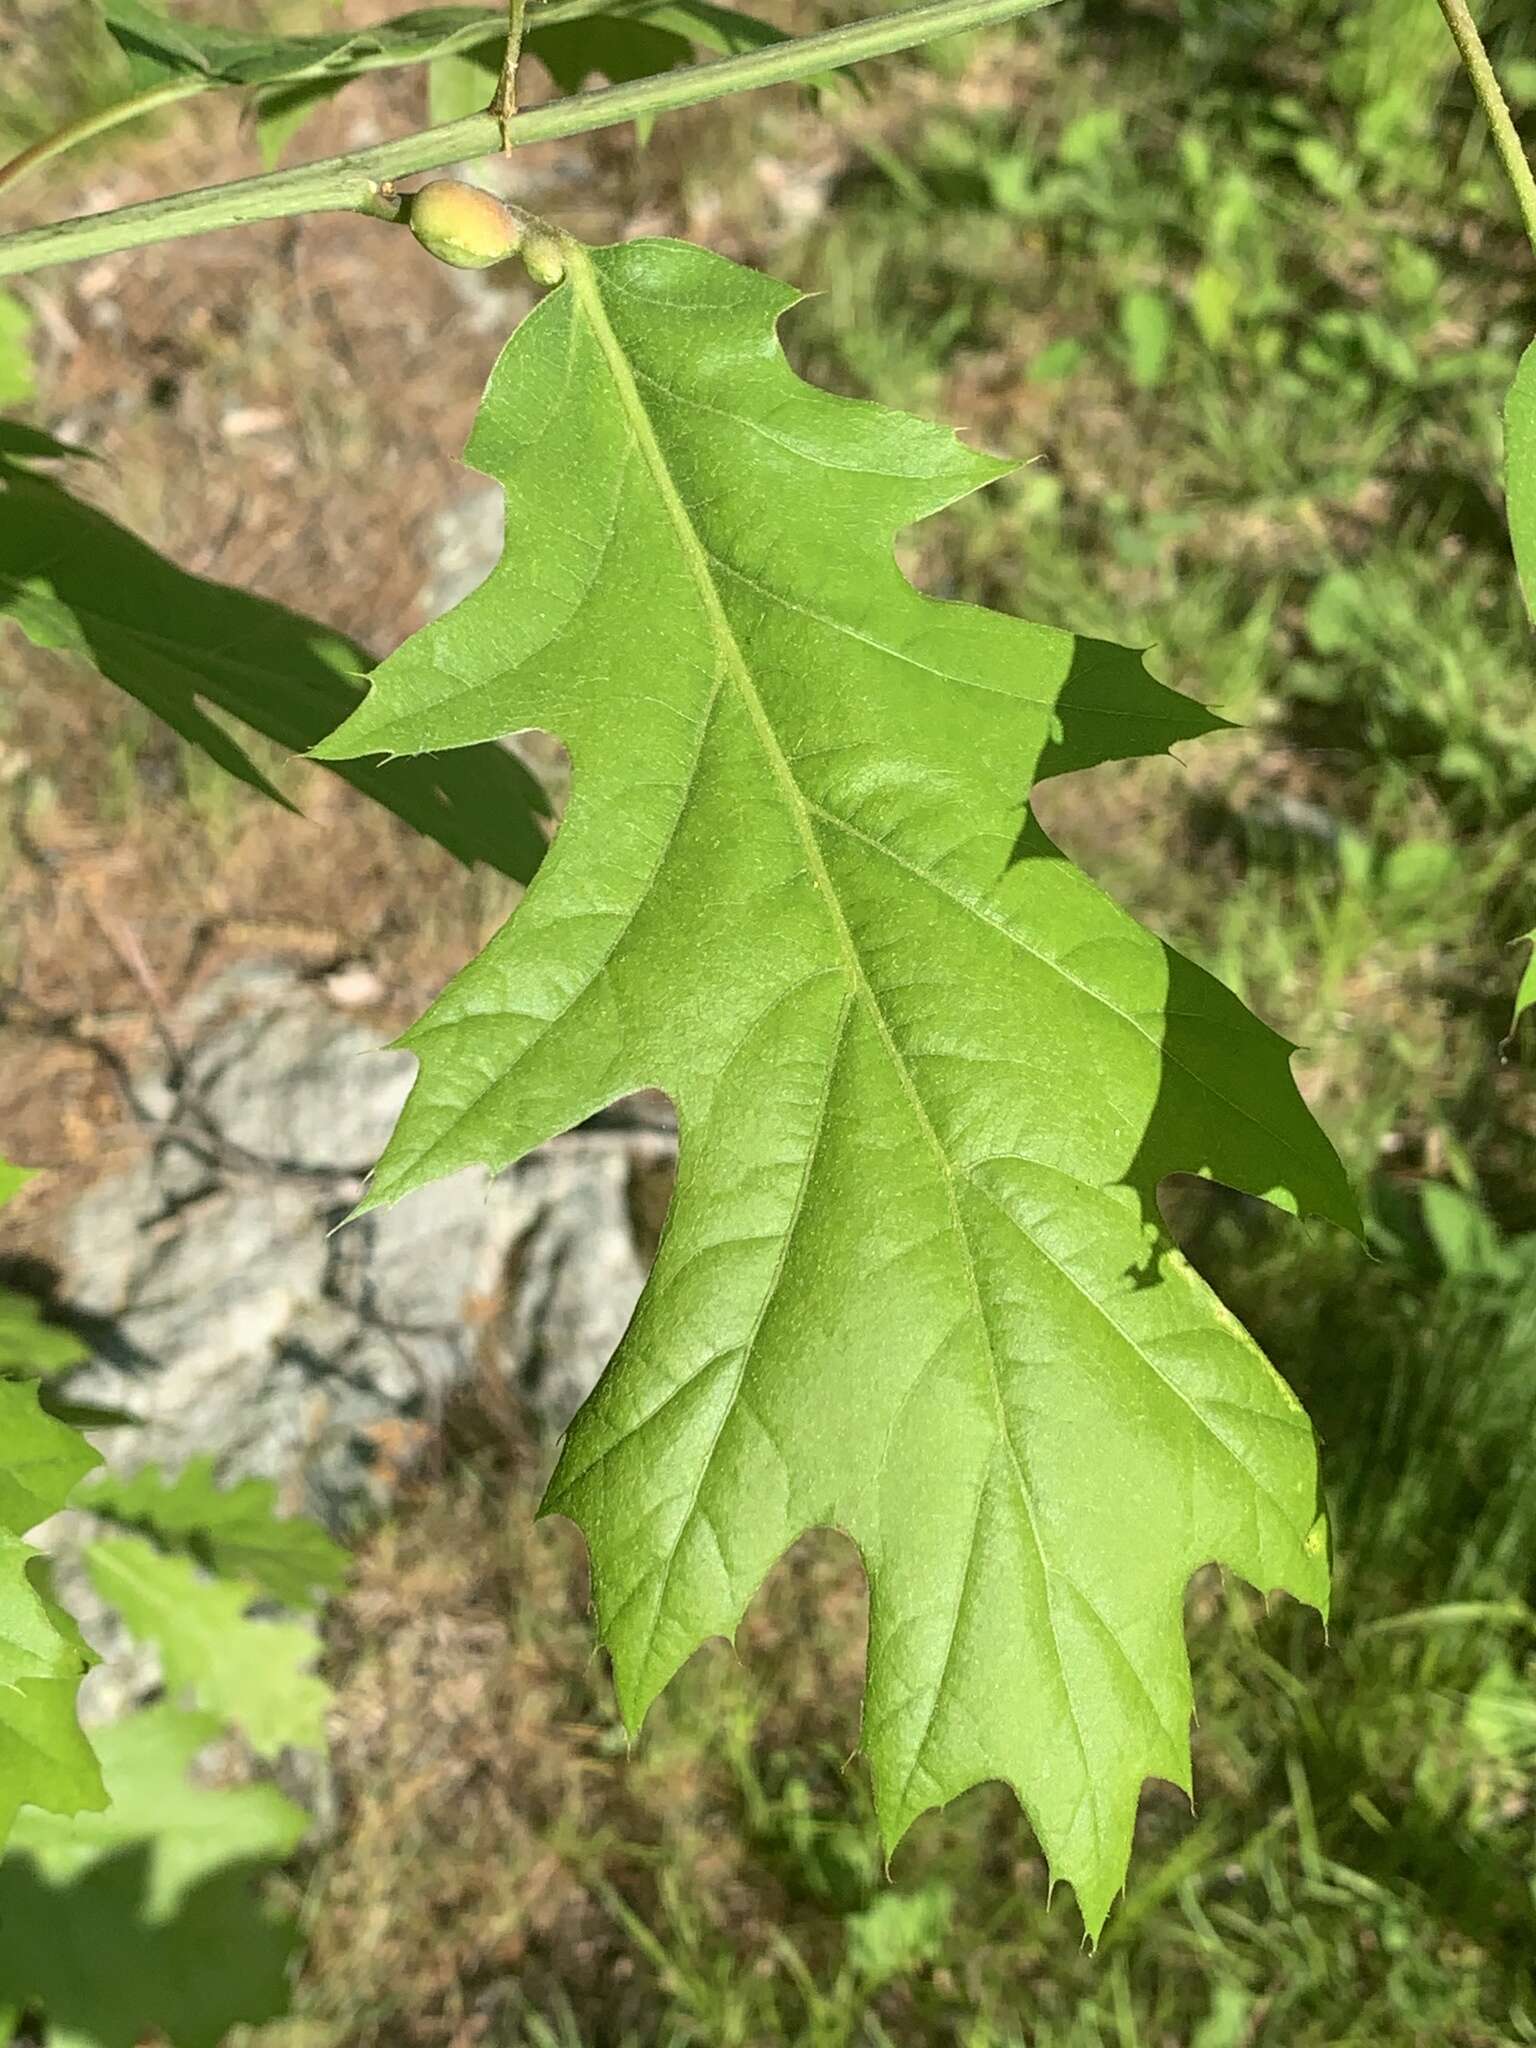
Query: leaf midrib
[(708, 559), (734, 665)]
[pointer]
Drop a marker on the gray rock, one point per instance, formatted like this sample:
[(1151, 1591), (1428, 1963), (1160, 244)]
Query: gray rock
[(233, 1308), (232, 1311), (573, 1271), (467, 537)]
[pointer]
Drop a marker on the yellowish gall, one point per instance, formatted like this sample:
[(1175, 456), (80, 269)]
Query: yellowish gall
[(461, 225)]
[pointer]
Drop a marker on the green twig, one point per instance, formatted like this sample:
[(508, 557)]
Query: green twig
[(504, 106), (359, 183), (1506, 138)]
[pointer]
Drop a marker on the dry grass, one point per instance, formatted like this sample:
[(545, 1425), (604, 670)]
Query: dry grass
[(492, 1826)]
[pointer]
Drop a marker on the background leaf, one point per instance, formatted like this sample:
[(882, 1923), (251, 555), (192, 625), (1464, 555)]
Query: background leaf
[(144, 1920), (235, 1531), (914, 1283), (17, 382), (255, 1674), (294, 74), (1525, 992), (73, 579), (1146, 321), (159, 48)]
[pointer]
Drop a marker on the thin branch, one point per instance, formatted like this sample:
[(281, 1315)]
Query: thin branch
[(1485, 83), (359, 183), (471, 36), (504, 105)]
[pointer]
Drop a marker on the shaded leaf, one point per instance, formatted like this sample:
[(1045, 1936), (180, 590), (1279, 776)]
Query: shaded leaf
[(159, 48), (617, 48), (235, 1531), (145, 1920), (44, 1758), (620, 47), (257, 1675), (73, 579), (19, 443), (31, 1347), (914, 1283)]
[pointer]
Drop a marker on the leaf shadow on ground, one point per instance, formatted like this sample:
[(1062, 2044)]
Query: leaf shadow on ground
[(179, 642)]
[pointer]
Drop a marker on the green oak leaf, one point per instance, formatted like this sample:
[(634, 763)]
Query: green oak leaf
[(44, 1758), (235, 1531), (1520, 472), (43, 1461), (31, 1347), (74, 580), (144, 1921), (256, 1674), (913, 1284)]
